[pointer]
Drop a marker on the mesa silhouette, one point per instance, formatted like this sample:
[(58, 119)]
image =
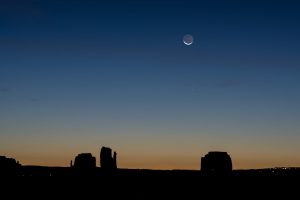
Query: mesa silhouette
[(213, 164)]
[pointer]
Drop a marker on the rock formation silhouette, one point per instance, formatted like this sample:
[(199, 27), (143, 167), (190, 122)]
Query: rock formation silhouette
[(107, 162), (85, 161), (9, 166), (216, 162)]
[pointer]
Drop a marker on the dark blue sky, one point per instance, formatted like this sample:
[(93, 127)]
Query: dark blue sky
[(80, 74)]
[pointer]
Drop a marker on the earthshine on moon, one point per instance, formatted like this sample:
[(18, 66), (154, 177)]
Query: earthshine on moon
[(188, 39)]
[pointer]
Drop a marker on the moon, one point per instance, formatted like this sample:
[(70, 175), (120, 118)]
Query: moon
[(188, 39)]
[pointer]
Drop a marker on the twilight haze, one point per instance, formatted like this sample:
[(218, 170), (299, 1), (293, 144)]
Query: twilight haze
[(78, 75)]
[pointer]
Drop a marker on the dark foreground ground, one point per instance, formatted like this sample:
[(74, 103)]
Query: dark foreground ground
[(60, 183)]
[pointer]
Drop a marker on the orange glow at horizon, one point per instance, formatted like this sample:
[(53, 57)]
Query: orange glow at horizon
[(157, 163)]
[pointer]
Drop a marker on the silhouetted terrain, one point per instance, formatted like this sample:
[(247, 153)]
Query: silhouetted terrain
[(155, 184), (216, 178)]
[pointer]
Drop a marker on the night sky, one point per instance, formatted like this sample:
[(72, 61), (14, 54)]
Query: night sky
[(78, 75)]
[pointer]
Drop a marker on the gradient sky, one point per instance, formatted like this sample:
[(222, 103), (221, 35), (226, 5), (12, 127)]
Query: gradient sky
[(78, 75)]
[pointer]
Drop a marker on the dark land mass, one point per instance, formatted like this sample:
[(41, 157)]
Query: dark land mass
[(154, 184), (84, 180)]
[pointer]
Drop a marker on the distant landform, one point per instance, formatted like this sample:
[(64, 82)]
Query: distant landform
[(214, 163)]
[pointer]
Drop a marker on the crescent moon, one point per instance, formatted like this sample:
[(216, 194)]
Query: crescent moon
[(188, 39)]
